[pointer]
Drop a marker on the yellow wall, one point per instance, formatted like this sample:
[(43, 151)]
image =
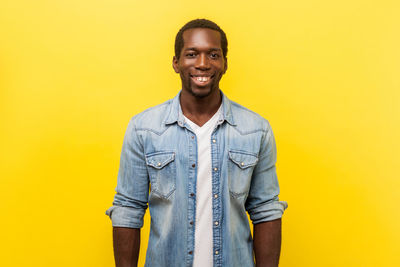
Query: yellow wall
[(324, 73)]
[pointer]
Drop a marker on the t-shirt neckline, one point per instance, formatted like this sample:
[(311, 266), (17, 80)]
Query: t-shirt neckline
[(194, 126)]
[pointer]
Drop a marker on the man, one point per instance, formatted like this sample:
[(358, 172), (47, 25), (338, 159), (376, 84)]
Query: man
[(200, 161)]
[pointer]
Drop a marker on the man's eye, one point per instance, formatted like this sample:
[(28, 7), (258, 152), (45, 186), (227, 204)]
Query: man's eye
[(190, 54), (214, 55)]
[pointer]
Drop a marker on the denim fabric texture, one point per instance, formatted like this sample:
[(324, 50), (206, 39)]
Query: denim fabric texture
[(158, 169)]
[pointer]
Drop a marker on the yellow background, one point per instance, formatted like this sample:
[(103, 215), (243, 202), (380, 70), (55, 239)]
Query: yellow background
[(324, 73)]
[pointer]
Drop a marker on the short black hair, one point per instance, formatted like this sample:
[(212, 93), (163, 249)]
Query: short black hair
[(200, 23)]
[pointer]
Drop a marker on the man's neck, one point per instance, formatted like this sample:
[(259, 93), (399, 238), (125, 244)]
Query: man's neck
[(200, 110)]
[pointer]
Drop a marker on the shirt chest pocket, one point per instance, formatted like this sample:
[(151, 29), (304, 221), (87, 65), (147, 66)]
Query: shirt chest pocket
[(162, 172), (241, 165)]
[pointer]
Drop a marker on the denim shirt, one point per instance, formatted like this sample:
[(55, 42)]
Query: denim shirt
[(158, 168)]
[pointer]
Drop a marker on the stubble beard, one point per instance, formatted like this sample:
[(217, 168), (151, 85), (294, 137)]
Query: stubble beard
[(213, 87)]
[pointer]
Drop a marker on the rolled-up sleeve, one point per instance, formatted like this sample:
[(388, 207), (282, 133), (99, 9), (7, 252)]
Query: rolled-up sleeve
[(130, 201), (263, 203)]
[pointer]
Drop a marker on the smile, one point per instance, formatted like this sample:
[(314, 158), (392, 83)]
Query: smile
[(201, 79)]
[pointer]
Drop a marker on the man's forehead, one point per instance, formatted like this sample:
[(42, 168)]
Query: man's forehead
[(201, 36)]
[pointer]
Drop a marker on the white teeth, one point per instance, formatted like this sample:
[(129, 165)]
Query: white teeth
[(202, 79)]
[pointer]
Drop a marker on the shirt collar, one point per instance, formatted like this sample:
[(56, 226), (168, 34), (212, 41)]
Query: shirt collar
[(175, 112)]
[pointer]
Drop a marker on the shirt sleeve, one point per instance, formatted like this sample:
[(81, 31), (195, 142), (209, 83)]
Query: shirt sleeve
[(130, 201), (263, 203)]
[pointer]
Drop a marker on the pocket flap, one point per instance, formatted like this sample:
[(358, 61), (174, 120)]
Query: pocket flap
[(159, 159), (243, 159)]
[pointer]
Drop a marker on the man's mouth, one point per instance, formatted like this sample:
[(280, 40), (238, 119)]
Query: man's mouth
[(201, 80)]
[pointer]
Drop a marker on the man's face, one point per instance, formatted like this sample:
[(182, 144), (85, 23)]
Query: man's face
[(201, 63)]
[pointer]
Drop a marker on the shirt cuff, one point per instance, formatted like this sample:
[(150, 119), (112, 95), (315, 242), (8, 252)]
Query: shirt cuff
[(126, 216), (268, 212)]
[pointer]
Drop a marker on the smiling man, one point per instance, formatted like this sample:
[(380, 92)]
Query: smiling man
[(200, 162)]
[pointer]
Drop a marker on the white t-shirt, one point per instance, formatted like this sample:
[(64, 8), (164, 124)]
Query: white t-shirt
[(203, 244)]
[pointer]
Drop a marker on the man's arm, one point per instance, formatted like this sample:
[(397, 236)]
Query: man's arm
[(130, 200), (267, 243), (126, 246), (263, 204)]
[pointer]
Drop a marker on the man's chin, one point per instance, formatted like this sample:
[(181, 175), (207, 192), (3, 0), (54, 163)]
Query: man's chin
[(201, 93)]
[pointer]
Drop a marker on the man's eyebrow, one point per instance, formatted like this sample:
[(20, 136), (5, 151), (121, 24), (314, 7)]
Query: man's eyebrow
[(216, 49)]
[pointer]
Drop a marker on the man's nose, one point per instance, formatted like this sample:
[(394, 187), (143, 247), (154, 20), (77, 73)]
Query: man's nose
[(202, 62)]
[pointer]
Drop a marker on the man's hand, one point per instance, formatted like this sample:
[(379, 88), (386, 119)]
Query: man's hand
[(267, 243), (126, 246)]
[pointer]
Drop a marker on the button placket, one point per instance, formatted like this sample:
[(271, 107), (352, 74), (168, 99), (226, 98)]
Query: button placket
[(192, 192), (216, 202)]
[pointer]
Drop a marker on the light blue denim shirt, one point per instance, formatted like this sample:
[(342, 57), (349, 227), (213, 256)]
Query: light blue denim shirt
[(158, 168)]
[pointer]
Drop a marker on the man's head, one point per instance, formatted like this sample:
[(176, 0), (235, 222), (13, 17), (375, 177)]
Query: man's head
[(200, 23), (200, 57)]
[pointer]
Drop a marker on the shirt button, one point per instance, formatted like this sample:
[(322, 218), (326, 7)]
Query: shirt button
[(192, 136), (216, 252), (190, 252), (191, 223), (216, 196), (214, 140), (215, 169), (159, 164), (216, 223), (193, 165), (192, 194), (242, 163)]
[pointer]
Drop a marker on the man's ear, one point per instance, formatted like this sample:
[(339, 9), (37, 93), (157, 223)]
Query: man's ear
[(226, 65), (175, 64)]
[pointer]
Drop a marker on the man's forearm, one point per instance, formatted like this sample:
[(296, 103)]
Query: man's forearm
[(267, 243), (126, 246)]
